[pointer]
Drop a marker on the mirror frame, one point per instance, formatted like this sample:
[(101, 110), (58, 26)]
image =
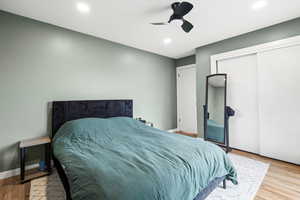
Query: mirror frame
[(226, 137)]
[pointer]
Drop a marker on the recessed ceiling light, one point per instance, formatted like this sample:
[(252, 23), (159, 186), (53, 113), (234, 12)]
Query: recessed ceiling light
[(259, 5), (83, 7), (167, 40)]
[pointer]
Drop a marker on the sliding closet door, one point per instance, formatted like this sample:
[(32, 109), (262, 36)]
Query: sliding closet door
[(242, 97), (279, 103)]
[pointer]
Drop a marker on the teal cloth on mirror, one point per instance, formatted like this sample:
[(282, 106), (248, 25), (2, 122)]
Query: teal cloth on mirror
[(123, 159)]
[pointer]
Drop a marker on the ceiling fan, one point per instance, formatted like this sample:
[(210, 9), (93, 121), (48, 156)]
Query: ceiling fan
[(180, 9)]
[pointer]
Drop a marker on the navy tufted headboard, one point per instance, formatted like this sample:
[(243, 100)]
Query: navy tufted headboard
[(64, 111)]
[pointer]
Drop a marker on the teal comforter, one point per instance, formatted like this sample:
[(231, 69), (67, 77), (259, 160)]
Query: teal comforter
[(123, 159)]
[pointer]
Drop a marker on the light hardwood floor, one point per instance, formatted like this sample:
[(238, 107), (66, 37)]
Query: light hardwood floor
[(11, 189), (282, 182)]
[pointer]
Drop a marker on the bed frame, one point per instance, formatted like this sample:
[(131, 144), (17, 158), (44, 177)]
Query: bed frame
[(64, 111)]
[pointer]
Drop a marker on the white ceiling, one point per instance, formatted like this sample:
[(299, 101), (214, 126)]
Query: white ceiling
[(127, 21)]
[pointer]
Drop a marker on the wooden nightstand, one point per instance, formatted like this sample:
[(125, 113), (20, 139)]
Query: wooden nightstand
[(30, 143)]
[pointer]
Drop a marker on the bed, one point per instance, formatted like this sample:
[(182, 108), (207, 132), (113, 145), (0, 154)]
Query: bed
[(100, 152)]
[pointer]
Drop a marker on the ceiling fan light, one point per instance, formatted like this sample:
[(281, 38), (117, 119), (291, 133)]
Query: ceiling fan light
[(177, 22)]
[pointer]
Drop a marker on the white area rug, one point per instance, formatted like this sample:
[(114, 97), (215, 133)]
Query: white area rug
[(250, 176)]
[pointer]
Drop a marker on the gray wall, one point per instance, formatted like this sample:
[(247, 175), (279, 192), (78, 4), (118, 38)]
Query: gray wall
[(189, 60), (40, 63), (276, 32)]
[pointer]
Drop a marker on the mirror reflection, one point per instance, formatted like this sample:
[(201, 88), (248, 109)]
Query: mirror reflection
[(215, 122)]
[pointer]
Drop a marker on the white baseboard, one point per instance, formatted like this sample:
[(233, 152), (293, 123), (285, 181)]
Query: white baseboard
[(16, 172), (173, 130)]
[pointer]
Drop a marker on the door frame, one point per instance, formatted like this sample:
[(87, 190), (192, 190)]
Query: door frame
[(177, 92)]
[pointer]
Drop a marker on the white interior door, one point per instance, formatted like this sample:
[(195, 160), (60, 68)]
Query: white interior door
[(279, 103), (242, 97), (186, 99)]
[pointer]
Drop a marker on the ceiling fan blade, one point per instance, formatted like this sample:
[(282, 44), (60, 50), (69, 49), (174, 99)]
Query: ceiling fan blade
[(187, 26), (183, 8), (160, 23)]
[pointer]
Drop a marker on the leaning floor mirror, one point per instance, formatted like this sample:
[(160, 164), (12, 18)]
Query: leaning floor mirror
[(215, 116)]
